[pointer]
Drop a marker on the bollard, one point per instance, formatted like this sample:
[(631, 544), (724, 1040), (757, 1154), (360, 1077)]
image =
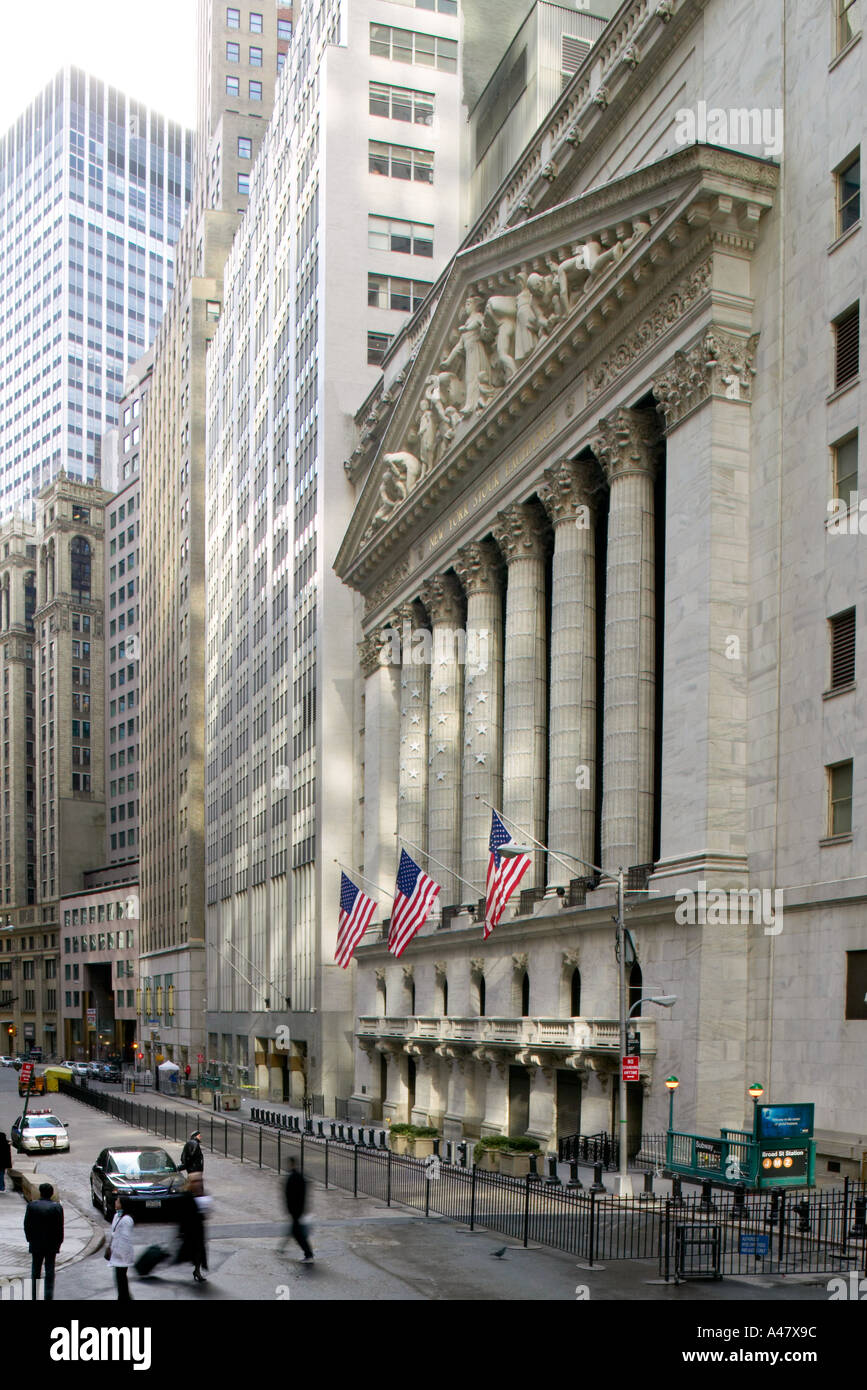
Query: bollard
[(553, 1178), (321, 1129), (534, 1167), (860, 1226), (372, 1139), (574, 1180), (677, 1192), (706, 1194), (350, 1134), (598, 1184), (802, 1210), (382, 1143), (462, 1153), (341, 1133), (739, 1205), (773, 1215), (436, 1147), (647, 1194), (333, 1130)]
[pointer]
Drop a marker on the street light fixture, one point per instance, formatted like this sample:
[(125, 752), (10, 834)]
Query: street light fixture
[(672, 1083), (511, 851), (756, 1091)]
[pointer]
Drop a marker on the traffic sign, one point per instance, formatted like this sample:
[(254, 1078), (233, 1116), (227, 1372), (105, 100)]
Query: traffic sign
[(200, 1056), (91, 1018), (631, 1068), (26, 1073)]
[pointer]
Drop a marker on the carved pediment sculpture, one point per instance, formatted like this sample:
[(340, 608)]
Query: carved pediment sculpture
[(498, 330)]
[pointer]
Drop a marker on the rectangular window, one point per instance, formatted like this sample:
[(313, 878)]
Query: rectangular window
[(401, 103), (393, 234), (233, 89), (255, 91), (848, 21), (284, 28), (255, 57), (843, 649), (840, 799), (244, 184), (393, 292), (406, 46), (846, 347), (849, 195), (443, 6), (255, 22), (400, 162), (377, 346), (233, 19), (245, 147), (233, 53), (846, 470), (856, 984)]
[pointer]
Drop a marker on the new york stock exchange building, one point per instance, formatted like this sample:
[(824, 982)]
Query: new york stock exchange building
[(599, 591)]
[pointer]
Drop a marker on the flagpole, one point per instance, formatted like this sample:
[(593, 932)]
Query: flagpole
[(364, 878), (544, 848), (479, 892)]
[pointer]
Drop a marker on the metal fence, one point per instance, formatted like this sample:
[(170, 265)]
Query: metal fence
[(646, 1151), (803, 1231)]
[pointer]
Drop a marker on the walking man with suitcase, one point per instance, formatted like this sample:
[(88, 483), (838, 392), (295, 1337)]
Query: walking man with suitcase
[(296, 1199), (192, 1158)]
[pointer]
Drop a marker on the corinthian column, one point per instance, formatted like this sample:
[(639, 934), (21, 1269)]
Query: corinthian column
[(442, 599), (414, 697), (478, 565), (568, 495), (518, 531), (380, 739), (625, 447)]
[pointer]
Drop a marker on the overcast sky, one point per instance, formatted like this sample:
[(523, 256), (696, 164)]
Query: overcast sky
[(147, 50)]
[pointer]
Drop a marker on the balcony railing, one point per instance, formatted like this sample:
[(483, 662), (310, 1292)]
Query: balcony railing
[(571, 1034)]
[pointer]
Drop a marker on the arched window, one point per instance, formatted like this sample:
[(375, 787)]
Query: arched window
[(381, 998), (525, 995), (29, 599), (575, 994), (445, 997), (635, 984), (79, 567), (410, 996), (481, 996)]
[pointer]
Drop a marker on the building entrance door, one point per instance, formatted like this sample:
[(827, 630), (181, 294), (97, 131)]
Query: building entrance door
[(519, 1100)]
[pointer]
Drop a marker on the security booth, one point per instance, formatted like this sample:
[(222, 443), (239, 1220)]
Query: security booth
[(780, 1152)]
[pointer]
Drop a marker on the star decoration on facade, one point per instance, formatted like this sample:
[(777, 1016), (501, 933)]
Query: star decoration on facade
[(482, 729), (442, 718), (481, 670), (415, 719), (404, 683), (482, 697), (471, 676), (415, 693), (402, 796), (444, 661), (413, 772), (468, 741), (403, 711), (442, 690), (441, 777), (441, 748), (480, 757), (414, 747)]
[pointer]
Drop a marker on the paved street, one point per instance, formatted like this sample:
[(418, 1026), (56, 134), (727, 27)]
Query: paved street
[(364, 1250)]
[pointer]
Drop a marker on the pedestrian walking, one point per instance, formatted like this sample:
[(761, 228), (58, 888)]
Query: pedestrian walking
[(192, 1158), (296, 1201), (120, 1251), (5, 1159), (191, 1227), (187, 1070), (43, 1231)]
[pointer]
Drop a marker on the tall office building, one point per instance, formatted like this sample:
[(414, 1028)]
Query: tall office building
[(93, 190), (354, 213), (241, 51)]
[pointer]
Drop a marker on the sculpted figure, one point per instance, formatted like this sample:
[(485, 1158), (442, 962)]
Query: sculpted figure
[(402, 472), (436, 426), (597, 260), (471, 354), (570, 277), (500, 315), (531, 322)]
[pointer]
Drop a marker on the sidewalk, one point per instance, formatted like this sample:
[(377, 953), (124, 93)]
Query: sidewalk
[(80, 1237)]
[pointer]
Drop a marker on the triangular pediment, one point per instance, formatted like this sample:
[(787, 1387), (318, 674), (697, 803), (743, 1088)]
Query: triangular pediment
[(516, 310)]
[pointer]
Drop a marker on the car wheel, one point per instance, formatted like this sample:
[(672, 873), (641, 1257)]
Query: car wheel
[(107, 1208), (95, 1200)]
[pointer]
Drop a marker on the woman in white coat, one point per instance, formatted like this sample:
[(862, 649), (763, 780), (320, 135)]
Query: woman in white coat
[(121, 1252)]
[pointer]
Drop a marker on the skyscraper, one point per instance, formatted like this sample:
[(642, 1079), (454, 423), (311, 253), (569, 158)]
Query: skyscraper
[(240, 52), (93, 189)]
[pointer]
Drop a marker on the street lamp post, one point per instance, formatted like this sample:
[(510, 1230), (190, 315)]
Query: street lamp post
[(756, 1091), (511, 851), (672, 1083)]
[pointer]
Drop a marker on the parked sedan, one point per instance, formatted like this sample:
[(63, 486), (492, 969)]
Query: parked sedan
[(7, 1061), (109, 1072), (147, 1178), (39, 1132)]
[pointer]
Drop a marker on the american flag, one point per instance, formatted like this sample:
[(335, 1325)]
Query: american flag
[(413, 900), (504, 874), (356, 910)]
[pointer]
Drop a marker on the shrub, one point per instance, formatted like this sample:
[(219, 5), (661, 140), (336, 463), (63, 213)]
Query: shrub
[(519, 1144), (414, 1131), (400, 1129)]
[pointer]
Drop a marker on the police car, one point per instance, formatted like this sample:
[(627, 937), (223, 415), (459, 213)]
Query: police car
[(39, 1131)]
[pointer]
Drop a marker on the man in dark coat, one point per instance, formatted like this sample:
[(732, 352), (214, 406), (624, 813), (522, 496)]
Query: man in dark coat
[(296, 1199), (5, 1160), (192, 1158), (43, 1231)]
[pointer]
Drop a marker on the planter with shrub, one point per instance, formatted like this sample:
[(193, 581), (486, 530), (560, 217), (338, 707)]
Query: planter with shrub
[(416, 1141), (504, 1153)]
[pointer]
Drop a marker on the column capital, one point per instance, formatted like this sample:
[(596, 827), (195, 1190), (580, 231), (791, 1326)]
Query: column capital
[(478, 566), (716, 363), (625, 442), (518, 532), (373, 652), (568, 486), (441, 596)]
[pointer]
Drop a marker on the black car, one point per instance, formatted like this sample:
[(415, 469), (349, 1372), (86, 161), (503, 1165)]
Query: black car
[(147, 1178), (109, 1072)]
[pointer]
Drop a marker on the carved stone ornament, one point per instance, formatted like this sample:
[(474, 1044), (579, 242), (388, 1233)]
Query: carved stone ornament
[(519, 960), (380, 977), (386, 585), (626, 442), (478, 567), (525, 205), (408, 974), (717, 364), (602, 96), (573, 136), (549, 172), (664, 10), (440, 969), (567, 487), (630, 56), (651, 328), (571, 959), (477, 966), (518, 532)]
